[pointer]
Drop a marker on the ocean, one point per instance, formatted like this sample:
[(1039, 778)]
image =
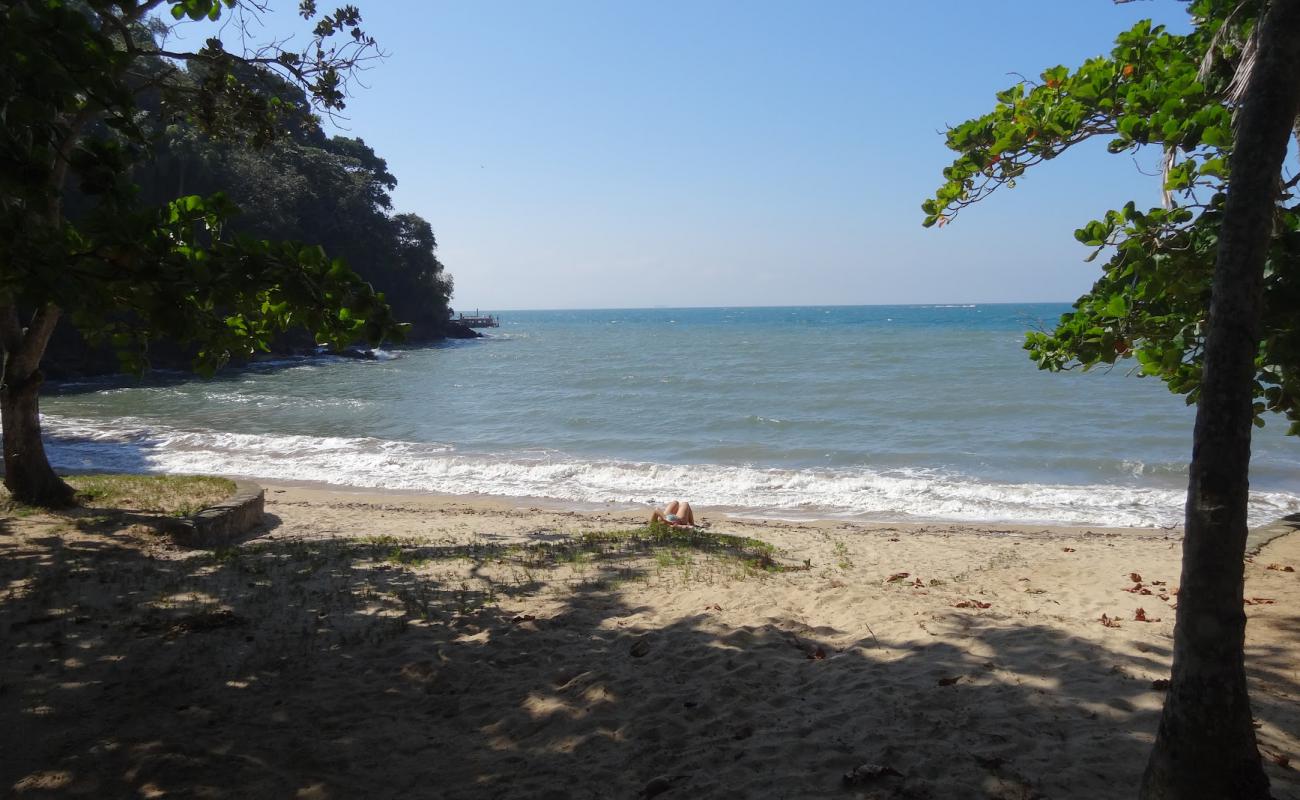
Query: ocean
[(904, 413)]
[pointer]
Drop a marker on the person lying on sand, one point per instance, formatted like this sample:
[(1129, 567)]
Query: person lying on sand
[(677, 514)]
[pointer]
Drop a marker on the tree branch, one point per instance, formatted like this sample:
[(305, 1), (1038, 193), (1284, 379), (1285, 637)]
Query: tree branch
[(26, 358)]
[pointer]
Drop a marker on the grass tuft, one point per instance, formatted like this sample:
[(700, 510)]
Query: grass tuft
[(175, 495)]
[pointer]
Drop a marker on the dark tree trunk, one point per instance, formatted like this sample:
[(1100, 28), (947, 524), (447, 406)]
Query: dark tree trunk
[(28, 475), (1205, 748)]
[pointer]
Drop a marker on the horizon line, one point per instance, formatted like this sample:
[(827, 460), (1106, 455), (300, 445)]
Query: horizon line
[(496, 310)]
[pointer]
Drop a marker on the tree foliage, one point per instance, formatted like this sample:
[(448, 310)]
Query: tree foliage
[(78, 82), (1155, 89), (305, 186), (87, 87)]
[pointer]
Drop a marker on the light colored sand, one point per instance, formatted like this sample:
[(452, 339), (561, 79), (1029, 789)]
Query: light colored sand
[(403, 646)]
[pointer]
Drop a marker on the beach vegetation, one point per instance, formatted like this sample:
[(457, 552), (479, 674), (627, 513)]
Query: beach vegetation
[(78, 81), (842, 559), (171, 495), (1200, 292)]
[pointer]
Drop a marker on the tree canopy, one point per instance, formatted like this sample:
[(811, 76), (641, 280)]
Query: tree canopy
[(1176, 93), (87, 88), (307, 186)]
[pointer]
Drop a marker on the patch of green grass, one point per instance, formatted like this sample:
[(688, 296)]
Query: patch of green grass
[(406, 558), (13, 508), (177, 495)]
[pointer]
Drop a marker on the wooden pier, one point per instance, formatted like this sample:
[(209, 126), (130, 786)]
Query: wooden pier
[(478, 321)]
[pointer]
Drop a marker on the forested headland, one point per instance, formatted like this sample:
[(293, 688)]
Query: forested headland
[(301, 184)]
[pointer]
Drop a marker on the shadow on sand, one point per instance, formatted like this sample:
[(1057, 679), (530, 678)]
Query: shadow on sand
[(376, 668)]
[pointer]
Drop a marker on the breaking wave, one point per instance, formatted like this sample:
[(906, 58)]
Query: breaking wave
[(133, 445)]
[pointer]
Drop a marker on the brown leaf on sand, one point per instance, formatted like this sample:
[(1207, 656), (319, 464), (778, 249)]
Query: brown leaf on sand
[(869, 772), (1281, 568), (918, 583), (1136, 578), (1156, 583), (1141, 616), (950, 681), (971, 604), (1258, 601), (1067, 549), (817, 655), (1163, 596), (895, 539), (1109, 622), (1277, 758), (522, 618), (1160, 684), (713, 607), (897, 576)]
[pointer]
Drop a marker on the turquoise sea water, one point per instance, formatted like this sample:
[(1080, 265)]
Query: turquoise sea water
[(884, 412)]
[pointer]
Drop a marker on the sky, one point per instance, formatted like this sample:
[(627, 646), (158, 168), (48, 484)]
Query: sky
[(721, 153)]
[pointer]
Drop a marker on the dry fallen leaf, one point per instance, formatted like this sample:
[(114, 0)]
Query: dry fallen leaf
[(1136, 578), (817, 655), (1141, 616), (1160, 683), (1258, 601), (950, 681), (971, 604), (898, 576), (1068, 549), (1108, 622), (1280, 568)]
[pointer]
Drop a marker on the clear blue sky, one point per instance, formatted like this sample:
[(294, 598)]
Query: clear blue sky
[(619, 154)]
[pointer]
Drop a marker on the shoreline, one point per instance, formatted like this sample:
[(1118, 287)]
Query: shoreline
[(633, 514)]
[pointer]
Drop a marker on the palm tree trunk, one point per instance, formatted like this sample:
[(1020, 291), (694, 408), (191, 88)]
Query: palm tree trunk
[(1205, 747)]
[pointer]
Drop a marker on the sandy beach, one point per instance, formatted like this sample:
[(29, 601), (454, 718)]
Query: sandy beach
[(367, 644)]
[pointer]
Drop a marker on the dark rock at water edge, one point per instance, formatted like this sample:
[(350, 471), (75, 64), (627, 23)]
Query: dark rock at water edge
[(70, 356)]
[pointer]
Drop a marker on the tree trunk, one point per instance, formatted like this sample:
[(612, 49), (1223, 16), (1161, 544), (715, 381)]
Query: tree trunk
[(1205, 748), (28, 475)]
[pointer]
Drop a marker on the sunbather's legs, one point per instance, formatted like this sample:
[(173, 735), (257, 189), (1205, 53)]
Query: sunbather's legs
[(684, 513), (680, 511)]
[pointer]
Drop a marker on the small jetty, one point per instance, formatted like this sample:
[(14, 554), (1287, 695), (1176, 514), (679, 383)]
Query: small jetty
[(478, 320)]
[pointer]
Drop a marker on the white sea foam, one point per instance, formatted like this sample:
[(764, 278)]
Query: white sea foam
[(133, 445)]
